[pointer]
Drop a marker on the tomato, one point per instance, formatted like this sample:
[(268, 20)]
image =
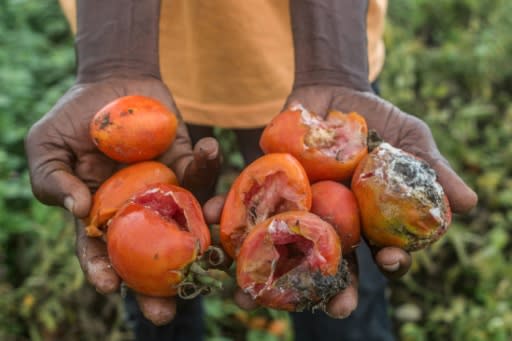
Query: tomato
[(117, 189), (401, 202), (155, 237), (133, 128), (336, 204), (291, 261), (329, 148), (271, 184)]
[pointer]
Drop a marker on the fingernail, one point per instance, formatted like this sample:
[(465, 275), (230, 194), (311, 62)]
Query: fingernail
[(339, 316), (69, 203), (391, 267)]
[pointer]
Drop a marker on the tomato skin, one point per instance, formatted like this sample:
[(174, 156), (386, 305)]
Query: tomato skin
[(291, 132), (295, 289), (133, 129), (119, 187), (337, 204), (149, 252), (400, 200), (237, 218)]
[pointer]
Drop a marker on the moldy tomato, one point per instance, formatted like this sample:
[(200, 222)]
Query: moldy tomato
[(401, 202), (155, 238), (117, 189), (336, 204), (329, 149), (292, 262), (271, 184), (133, 128)]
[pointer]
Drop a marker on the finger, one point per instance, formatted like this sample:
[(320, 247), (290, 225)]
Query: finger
[(203, 169), (244, 300), (345, 302), (393, 262), (159, 310), (51, 176), (94, 168), (212, 209), (461, 197), (94, 261), (60, 187)]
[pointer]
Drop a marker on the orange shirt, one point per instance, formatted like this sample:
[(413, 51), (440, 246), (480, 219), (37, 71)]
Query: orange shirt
[(229, 63)]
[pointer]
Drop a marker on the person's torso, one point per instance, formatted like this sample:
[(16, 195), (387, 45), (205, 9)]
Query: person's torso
[(229, 63)]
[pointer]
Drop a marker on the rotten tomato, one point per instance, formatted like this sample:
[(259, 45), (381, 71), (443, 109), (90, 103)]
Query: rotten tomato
[(329, 148), (402, 204), (292, 261)]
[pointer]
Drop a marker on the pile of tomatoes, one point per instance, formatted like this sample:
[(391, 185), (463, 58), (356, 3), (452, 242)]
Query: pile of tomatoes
[(289, 219)]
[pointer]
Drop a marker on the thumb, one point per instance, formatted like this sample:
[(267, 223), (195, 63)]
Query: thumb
[(461, 197), (203, 169), (60, 187)]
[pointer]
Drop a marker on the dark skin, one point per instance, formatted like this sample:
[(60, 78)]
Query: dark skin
[(66, 168)]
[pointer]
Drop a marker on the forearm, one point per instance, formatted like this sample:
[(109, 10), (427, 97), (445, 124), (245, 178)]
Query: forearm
[(117, 38), (330, 42)]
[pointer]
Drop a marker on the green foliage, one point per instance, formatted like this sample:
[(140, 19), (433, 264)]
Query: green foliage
[(42, 296), (448, 64)]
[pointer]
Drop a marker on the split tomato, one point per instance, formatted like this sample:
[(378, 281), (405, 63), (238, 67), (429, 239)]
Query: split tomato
[(292, 261), (329, 148), (155, 237), (337, 204), (272, 184)]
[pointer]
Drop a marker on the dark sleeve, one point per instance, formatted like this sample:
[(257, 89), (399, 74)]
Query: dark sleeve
[(330, 42), (117, 38)]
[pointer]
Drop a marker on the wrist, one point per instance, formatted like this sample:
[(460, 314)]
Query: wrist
[(330, 43), (117, 39)]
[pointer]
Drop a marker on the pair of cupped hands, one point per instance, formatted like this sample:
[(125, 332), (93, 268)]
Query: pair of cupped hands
[(66, 168)]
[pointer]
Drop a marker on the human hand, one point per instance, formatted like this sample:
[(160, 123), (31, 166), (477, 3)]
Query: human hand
[(66, 168), (400, 130)]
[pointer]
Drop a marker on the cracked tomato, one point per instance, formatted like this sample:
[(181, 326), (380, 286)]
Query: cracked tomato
[(329, 148), (155, 237), (292, 261), (118, 188), (272, 184)]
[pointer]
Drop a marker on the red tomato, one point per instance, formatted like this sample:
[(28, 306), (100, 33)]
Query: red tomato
[(117, 189), (155, 236), (133, 128), (336, 204)]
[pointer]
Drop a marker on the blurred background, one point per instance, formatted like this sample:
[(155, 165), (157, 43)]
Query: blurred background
[(448, 62)]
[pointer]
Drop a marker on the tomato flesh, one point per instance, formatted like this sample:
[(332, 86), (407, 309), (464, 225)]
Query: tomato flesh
[(165, 205), (338, 139), (292, 262)]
